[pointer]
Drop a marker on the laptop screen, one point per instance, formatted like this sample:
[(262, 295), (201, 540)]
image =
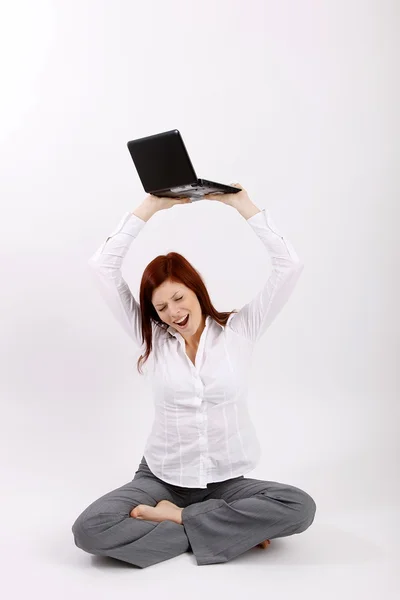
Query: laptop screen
[(162, 161)]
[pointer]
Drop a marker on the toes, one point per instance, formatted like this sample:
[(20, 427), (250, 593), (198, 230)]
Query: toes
[(136, 512)]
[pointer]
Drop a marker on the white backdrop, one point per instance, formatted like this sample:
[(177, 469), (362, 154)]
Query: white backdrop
[(296, 100)]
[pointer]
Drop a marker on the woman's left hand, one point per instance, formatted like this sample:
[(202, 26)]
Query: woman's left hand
[(230, 199)]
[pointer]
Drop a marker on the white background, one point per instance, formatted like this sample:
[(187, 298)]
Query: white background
[(296, 100)]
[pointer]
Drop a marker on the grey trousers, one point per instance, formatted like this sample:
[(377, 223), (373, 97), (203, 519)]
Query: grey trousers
[(219, 522)]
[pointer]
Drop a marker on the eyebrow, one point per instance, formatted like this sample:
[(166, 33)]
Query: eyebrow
[(162, 303)]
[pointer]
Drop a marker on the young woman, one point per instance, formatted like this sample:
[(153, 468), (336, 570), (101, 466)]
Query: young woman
[(189, 492)]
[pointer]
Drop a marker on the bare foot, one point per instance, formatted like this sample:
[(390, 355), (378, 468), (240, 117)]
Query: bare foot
[(167, 511), (163, 511)]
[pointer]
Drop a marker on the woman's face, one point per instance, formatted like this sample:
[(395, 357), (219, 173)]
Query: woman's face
[(172, 301)]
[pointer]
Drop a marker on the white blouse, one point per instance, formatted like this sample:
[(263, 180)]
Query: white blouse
[(202, 431)]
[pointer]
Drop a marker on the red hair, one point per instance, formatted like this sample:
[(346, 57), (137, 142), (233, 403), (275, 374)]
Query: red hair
[(174, 267)]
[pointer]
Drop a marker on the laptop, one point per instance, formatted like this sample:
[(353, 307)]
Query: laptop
[(165, 169)]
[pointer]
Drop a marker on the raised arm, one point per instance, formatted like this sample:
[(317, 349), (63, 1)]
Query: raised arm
[(253, 319), (106, 264)]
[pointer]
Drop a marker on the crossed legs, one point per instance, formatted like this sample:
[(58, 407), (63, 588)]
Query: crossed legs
[(234, 516)]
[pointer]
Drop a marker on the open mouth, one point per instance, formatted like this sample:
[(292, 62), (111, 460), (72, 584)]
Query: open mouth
[(184, 323)]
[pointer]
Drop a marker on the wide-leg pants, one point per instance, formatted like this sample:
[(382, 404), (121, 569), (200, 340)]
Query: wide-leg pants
[(219, 522)]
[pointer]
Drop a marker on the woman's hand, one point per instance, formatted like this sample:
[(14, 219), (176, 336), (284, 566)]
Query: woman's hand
[(162, 202), (235, 200), (152, 204)]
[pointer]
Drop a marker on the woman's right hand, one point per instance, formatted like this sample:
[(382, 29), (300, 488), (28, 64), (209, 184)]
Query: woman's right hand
[(156, 203), (152, 204)]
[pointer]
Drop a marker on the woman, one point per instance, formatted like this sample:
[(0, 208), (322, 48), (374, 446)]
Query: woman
[(189, 492)]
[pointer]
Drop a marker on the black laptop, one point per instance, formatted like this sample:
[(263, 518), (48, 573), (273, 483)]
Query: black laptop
[(165, 169)]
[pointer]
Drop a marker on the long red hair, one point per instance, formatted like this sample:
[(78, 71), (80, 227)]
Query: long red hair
[(174, 267)]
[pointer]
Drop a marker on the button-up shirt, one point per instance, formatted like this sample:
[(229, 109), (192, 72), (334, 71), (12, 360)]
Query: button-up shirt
[(202, 430)]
